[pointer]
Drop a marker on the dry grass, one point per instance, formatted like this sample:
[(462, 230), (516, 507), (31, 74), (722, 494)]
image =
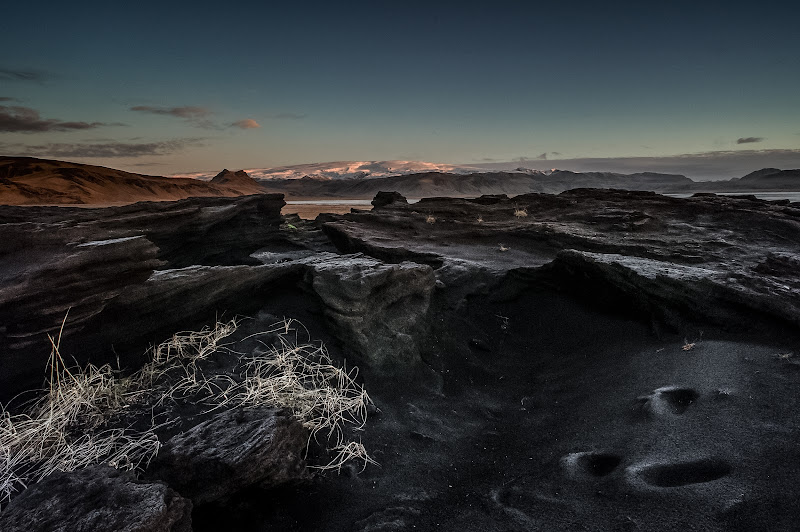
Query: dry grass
[(65, 429), (73, 424), (503, 247), (430, 219), (520, 212)]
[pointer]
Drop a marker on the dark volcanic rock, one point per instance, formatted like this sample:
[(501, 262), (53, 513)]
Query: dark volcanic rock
[(596, 360), (385, 198), (377, 310), (703, 258), (97, 498), (232, 451), (57, 259)]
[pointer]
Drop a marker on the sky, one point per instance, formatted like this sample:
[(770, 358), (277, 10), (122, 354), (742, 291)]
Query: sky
[(709, 89)]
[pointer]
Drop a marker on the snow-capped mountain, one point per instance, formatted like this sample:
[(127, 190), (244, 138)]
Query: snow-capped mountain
[(345, 170)]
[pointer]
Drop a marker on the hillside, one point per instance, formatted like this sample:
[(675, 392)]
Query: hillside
[(773, 178), (239, 181), (31, 181), (429, 184)]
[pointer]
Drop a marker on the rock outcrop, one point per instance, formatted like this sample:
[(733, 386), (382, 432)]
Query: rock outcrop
[(234, 450), (703, 258), (376, 310), (597, 359), (97, 498), (99, 265)]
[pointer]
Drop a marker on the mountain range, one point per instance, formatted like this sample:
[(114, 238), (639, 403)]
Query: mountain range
[(30, 181), (346, 170)]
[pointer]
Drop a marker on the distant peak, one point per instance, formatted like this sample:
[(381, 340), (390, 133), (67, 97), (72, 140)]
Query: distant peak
[(764, 172), (240, 178)]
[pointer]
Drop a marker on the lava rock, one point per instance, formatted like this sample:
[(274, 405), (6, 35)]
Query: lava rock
[(234, 450), (97, 498), (375, 309), (82, 261), (383, 199)]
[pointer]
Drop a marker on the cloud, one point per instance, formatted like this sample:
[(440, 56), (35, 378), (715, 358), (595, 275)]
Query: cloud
[(148, 164), (289, 116), (191, 114), (10, 74), (188, 112), (8, 99), (105, 149), (247, 123), (26, 120), (748, 140)]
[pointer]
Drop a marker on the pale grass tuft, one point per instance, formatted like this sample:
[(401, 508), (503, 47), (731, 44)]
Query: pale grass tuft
[(62, 431), (347, 452), (430, 219), (520, 212), (503, 248), (71, 426), (480, 219)]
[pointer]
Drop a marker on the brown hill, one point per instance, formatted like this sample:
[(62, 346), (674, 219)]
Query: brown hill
[(240, 181), (31, 181)]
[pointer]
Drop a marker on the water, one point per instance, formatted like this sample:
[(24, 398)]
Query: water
[(771, 196), (337, 202)]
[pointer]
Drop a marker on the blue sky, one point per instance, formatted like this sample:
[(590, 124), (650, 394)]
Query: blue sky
[(160, 87)]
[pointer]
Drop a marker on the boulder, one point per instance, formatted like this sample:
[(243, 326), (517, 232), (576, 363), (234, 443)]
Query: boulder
[(97, 498), (234, 450), (383, 199), (377, 310)]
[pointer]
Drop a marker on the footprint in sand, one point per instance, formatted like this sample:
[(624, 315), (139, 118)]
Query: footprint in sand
[(668, 400), (672, 475), (590, 464)]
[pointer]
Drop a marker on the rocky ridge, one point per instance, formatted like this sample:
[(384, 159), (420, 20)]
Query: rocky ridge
[(594, 359)]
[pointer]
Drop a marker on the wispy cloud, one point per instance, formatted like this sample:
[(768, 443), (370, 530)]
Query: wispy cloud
[(749, 140), (247, 123), (103, 150), (194, 115), (188, 112), (8, 99), (540, 157), (148, 164), (17, 119), (12, 74), (289, 116)]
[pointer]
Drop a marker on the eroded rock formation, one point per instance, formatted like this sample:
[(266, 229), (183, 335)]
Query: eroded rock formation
[(608, 360), (97, 498), (235, 450)]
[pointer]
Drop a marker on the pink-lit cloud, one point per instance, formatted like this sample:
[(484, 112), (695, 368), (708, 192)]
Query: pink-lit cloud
[(247, 123)]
